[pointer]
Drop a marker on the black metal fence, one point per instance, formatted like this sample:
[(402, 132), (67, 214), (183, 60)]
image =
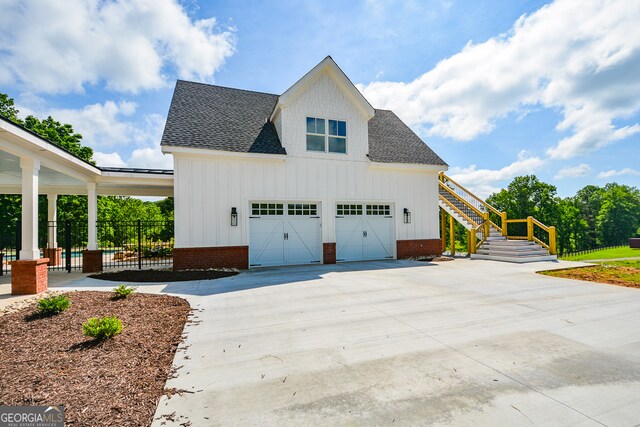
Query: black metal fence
[(129, 244), (65, 253), (9, 242), (588, 251), (135, 244)]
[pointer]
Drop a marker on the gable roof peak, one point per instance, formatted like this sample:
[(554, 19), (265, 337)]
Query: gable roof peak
[(310, 77)]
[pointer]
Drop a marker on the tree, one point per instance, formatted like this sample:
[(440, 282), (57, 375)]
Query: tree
[(572, 228), (528, 196), (619, 215), (62, 135), (166, 208), (589, 201), (7, 109)]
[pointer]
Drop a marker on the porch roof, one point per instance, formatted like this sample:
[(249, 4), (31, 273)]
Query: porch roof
[(61, 172)]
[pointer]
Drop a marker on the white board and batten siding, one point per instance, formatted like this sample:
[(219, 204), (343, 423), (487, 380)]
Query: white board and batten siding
[(208, 185), (207, 189)]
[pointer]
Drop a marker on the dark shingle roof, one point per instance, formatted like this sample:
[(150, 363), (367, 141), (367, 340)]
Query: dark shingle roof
[(391, 141), (226, 119), (221, 118)]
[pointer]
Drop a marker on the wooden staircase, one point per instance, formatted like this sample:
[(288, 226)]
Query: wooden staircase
[(487, 239)]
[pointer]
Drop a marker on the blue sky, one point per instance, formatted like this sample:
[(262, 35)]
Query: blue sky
[(498, 89)]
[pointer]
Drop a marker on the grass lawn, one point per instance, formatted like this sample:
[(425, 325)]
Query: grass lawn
[(622, 252), (613, 274)]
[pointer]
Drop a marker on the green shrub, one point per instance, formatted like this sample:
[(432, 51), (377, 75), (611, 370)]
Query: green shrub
[(123, 291), (54, 304), (102, 328)]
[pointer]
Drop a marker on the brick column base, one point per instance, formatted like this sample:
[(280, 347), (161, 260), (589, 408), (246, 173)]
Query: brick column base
[(329, 253), (54, 255), (211, 257), (418, 248), (91, 261), (29, 277)]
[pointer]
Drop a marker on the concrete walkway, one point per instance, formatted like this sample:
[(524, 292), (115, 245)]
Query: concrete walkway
[(466, 342)]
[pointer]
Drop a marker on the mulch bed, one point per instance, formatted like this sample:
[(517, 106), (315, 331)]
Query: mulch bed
[(433, 258), (163, 275), (612, 275), (48, 361)]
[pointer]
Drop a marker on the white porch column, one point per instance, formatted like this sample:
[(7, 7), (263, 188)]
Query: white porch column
[(92, 204), (52, 217), (30, 170)]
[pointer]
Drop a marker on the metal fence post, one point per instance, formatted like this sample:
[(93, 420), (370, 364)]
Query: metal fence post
[(18, 239), (139, 245), (67, 245)]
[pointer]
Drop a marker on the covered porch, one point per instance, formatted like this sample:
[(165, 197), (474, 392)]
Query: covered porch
[(31, 166)]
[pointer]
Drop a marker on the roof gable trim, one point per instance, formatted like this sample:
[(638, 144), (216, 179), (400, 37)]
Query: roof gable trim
[(328, 66)]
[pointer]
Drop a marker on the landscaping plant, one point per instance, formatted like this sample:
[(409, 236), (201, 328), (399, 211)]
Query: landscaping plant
[(102, 328), (53, 305), (123, 291)]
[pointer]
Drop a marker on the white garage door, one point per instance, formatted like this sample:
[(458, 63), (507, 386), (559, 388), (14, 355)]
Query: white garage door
[(364, 232), (284, 234)]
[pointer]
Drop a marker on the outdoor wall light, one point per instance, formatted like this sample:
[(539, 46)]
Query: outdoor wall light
[(234, 217), (407, 216)]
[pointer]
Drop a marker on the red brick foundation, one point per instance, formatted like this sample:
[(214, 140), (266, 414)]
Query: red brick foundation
[(329, 253), (54, 255), (211, 257), (91, 261), (29, 276), (418, 248)]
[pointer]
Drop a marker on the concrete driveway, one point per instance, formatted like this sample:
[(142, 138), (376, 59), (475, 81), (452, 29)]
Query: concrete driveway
[(467, 342)]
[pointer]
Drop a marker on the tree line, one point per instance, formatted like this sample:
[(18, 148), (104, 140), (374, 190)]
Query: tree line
[(72, 207), (594, 217)]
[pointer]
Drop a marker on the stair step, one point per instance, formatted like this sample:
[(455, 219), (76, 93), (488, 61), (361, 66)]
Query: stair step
[(518, 260), (511, 243), (515, 254), (507, 249)]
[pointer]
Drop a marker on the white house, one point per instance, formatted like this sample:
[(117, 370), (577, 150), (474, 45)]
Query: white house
[(315, 175)]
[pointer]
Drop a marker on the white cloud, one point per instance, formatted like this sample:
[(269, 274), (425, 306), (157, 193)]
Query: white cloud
[(101, 125), (573, 171), (146, 157), (625, 171), (108, 159), (483, 182), (61, 46), (579, 57), (150, 157)]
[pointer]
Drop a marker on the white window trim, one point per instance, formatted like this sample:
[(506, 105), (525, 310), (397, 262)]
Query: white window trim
[(326, 135)]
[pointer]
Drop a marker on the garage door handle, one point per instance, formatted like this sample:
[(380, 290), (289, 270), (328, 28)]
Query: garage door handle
[(364, 234), (286, 236)]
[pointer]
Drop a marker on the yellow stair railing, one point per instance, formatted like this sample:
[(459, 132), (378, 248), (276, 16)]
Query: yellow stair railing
[(484, 210)]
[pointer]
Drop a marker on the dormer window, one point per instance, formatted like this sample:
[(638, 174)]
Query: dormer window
[(331, 139)]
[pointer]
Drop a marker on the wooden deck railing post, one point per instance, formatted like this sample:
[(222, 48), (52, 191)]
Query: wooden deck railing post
[(530, 228), (471, 243), (552, 240), (487, 228), (503, 223), (443, 229), (452, 235)]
